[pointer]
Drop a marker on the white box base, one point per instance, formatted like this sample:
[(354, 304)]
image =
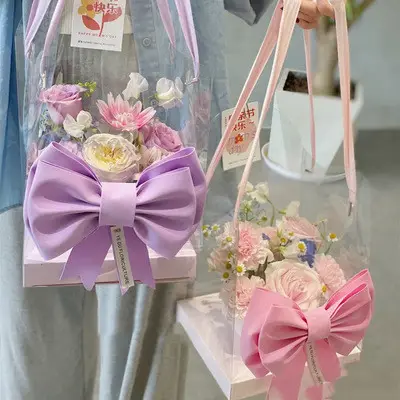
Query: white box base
[(38, 272), (213, 337)]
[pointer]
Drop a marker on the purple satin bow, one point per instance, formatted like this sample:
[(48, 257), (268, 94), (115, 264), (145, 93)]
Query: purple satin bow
[(67, 207)]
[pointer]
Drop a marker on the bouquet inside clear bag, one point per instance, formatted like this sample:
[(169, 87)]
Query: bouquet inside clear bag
[(115, 183), (295, 294)]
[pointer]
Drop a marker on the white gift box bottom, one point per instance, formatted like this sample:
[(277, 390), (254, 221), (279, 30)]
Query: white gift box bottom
[(38, 272), (214, 339)]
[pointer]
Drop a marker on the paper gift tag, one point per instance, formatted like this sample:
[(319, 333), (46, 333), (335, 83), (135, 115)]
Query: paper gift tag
[(241, 139), (98, 24), (121, 257)]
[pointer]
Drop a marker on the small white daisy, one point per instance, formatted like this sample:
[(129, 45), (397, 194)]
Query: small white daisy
[(332, 237), (302, 247), (226, 276), (228, 242), (215, 229), (240, 270), (284, 241)]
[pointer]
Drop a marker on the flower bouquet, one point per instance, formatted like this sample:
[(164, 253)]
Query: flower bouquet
[(124, 140), (278, 250), (122, 179)]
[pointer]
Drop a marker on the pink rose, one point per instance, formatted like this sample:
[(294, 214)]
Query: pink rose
[(295, 281), (151, 155), (157, 134), (301, 228), (330, 272), (237, 294), (62, 100)]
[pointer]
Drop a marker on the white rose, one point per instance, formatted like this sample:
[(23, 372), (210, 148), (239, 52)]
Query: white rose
[(295, 281), (77, 128), (137, 85), (112, 157), (169, 93)]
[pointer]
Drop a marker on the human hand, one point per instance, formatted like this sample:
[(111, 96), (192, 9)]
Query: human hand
[(308, 15), (311, 11)]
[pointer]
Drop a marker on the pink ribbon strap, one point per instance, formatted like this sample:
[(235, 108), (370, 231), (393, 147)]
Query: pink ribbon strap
[(342, 35), (286, 24), (259, 64), (185, 14), (278, 337), (307, 46), (37, 13)]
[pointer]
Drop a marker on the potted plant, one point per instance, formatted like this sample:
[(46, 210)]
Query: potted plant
[(289, 149)]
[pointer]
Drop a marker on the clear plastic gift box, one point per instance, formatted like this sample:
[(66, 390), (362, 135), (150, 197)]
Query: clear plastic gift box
[(116, 110)]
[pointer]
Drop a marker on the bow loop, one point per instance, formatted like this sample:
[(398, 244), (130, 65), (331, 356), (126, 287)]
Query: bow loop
[(67, 208), (278, 337)]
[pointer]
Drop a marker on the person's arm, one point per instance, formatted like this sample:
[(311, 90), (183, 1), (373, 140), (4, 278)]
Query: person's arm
[(252, 10), (248, 10)]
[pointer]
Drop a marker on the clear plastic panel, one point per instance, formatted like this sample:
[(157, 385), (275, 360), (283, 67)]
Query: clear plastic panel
[(88, 101), (296, 238)]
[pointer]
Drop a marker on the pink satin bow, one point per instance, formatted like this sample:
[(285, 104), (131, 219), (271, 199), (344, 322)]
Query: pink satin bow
[(279, 338)]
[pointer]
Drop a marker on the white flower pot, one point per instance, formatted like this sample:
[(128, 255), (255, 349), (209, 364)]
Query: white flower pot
[(290, 139)]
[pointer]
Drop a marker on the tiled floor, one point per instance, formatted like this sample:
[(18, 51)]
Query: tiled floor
[(377, 376)]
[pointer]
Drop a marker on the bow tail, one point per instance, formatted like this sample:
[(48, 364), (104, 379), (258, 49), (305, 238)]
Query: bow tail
[(139, 258), (286, 385), (87, 258), (329, 368)]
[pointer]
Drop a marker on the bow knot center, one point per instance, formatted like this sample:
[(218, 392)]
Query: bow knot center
[(319, 324), (118, 204)]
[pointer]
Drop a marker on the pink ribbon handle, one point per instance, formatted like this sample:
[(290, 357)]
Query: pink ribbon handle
[(290, 12), (259, 64), (36, 15)]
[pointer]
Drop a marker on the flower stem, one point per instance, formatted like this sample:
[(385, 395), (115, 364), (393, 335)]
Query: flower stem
[(273, 212)]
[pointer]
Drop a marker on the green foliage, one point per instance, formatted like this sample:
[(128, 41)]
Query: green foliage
[(354, 10), (89, 86)]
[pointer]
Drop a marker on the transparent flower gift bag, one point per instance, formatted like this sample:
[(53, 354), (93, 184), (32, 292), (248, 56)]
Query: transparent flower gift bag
[(116, 126), (295, 293)]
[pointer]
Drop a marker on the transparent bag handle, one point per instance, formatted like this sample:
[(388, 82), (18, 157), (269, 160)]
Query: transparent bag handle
[(287, 24), (39, 9)]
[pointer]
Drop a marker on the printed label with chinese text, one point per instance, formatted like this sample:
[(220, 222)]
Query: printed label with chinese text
[(98, 24), (241, 139)]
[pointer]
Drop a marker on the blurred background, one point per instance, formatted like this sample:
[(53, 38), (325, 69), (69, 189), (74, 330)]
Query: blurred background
[(375, 60)]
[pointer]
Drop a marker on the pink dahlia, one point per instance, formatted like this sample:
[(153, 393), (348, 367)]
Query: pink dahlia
[(119, 114)]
